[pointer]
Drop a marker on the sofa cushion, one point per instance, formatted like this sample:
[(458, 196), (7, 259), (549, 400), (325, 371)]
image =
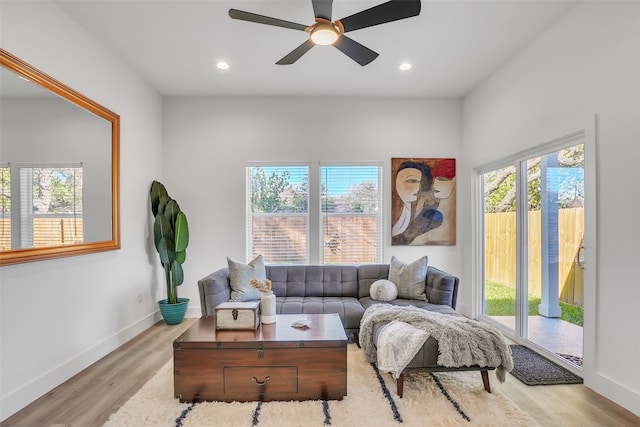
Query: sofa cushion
[(442, 287), (240, 275), (409, 278), (313, 280), (384, 290), (368, 274), (367, 302), (348, 308)]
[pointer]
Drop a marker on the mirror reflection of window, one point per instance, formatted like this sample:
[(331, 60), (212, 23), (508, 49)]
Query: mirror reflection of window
[(5, 207), (47, 124), (51, 211)]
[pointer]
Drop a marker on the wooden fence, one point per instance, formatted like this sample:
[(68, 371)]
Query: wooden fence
[(347, 239), (500, 252), (46, 232)]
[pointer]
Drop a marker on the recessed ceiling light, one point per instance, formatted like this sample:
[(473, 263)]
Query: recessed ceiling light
[(404, 66), (222, 65)]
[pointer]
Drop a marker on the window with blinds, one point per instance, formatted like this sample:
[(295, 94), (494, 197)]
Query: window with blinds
[(351, 214), (346, 221), (278, 213), (5, 207), (50, 205)]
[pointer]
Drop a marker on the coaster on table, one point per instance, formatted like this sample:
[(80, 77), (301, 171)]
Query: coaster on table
[(302, 324)]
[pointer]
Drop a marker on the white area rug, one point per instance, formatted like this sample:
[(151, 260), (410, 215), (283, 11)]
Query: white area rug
[(441, 399)]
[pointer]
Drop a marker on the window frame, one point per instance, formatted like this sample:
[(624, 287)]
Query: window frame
[(315, 223), (7, 166), (249, 213), (23, 215), (518, 160), (379, 202)]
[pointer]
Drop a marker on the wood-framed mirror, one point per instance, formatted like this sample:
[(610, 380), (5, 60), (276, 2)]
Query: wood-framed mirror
[(59, 168)]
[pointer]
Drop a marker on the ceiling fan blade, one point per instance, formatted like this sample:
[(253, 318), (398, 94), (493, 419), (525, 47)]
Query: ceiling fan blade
[(296, 53), (322, 8), (393, 10), (354, 50), (261, 19)]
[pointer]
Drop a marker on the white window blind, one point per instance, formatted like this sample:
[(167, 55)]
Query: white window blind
[(351, 214), (278, 213), (5, 207)]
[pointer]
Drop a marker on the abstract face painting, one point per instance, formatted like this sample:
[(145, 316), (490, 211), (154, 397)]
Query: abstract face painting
[(423, 201)]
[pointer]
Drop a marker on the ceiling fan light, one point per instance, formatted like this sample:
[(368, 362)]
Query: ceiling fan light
[(324, 34)]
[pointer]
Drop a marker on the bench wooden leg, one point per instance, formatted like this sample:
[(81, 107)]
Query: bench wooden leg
[(485, 380), (400, 385)]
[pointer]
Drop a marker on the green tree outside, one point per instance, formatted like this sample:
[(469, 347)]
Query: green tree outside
[(5, 190), (273, 192)]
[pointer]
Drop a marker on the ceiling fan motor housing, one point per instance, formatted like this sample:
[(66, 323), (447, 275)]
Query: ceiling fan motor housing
[(324, 32)]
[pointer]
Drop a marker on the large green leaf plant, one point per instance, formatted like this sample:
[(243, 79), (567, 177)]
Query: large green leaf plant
[(171, 237)]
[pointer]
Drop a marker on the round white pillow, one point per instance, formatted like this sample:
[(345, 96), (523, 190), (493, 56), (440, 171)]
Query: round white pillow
[(383, 290)]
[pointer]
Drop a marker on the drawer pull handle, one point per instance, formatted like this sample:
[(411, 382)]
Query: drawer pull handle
[(255, 380)]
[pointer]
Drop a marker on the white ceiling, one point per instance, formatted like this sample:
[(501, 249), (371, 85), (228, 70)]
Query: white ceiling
[(174, 45)]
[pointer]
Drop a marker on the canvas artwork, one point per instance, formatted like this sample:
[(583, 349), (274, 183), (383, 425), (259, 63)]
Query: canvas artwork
[(423, 201)]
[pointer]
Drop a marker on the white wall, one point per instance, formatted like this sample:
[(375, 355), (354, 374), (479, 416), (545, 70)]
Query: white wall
[(588, 63), (207, 142), (59, 316)]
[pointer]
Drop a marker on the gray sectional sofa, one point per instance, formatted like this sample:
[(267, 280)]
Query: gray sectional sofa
[(346, 290), (341, 289)]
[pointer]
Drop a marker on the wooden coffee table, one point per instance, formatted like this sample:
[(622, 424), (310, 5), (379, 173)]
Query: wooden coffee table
[(273, 362)]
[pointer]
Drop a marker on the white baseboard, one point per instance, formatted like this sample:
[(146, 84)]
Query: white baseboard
[(614, 391), (17, 399)]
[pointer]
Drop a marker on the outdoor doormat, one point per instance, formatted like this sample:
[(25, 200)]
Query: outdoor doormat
[(534, 369), (576, 360)]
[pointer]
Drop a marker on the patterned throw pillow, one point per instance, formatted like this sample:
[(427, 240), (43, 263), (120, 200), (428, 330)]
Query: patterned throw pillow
[(383, 290), (410, 278), (240, 275)]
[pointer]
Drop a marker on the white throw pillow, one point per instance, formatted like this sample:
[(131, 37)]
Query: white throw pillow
[(240, 275), (383, 290), (410, 279)]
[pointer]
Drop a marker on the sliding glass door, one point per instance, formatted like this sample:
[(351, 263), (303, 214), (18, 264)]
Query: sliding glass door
[(533, 228), (500, 275)]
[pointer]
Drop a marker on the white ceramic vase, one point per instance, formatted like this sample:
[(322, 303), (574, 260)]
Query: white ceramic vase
[(268, 308)]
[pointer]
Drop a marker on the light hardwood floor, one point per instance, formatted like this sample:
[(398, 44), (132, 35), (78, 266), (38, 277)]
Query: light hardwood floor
[(90, 397)]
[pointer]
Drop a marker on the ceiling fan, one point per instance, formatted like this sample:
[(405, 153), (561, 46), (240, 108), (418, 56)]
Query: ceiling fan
[(327, 32)]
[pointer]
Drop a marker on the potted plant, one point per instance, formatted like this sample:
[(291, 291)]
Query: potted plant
[(171, 237)]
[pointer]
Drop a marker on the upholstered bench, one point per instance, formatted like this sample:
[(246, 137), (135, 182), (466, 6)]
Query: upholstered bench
[(403, 339), (426, 360)]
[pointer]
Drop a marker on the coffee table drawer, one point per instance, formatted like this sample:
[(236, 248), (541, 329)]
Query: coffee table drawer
[(260, 379)]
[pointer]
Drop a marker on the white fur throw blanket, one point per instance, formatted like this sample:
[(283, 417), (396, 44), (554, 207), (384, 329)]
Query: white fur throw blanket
[(461, 341)]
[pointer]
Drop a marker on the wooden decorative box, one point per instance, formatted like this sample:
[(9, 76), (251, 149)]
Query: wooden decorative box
[(238, 315)]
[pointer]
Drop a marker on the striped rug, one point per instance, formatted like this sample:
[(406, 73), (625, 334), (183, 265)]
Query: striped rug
[(441, 399)]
